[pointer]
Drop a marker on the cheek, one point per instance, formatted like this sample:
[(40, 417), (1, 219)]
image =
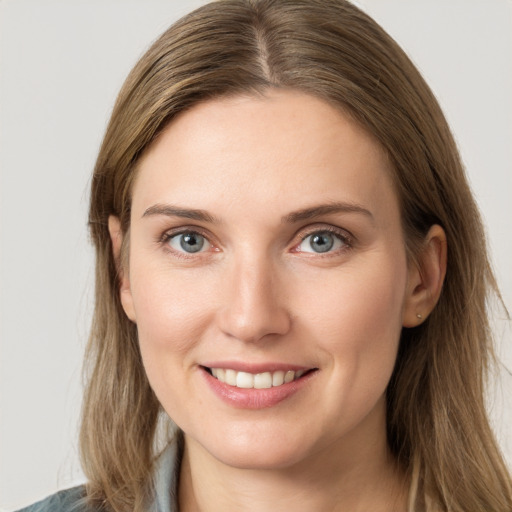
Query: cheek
[(357, 319), (172, 314)]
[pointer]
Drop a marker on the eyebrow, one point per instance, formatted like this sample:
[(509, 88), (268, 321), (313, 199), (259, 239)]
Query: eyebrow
[(291, 218), (170, 210), (325, 209)]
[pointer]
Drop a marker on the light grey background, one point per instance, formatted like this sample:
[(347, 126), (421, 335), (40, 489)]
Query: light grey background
[(61, 65)]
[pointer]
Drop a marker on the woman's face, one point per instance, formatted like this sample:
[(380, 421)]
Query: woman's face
[(266, 248)]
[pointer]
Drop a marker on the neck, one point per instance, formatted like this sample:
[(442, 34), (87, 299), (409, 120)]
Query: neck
[(340, 477)]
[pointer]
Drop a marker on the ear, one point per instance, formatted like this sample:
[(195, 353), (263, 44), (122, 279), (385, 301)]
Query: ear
[(425, 278), (125, 293)]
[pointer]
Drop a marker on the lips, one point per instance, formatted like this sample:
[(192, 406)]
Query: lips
[(254, 386)]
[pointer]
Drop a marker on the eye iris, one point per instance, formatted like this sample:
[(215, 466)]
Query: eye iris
[(191, 242), (322, 242)]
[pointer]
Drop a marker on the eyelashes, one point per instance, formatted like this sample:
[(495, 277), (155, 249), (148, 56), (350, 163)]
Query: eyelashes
[(318, 241), (189, 242), (324, 241)]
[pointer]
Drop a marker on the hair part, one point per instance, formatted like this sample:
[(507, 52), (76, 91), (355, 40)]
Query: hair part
[(437, 424)]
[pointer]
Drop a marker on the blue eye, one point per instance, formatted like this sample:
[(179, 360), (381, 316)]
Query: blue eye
[(321, 242), (190, 242)]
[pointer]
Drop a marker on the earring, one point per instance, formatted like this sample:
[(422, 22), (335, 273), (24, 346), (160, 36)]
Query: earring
[(419, 316)]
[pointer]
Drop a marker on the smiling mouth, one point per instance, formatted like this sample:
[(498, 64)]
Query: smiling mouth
[(264, 380)]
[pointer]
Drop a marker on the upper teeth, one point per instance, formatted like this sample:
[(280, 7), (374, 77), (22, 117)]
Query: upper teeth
[(257, 381)]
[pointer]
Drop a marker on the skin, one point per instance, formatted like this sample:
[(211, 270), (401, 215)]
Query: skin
[(259, 293)]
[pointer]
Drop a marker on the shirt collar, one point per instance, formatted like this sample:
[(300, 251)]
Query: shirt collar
[(166, 478)]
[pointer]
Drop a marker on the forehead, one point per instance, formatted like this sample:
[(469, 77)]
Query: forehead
[(283, 149)]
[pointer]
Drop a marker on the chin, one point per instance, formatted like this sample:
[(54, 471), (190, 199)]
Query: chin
[(258, 459), (251, 451)]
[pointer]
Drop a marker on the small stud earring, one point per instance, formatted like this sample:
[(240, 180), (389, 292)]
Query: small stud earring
[(419, 316)]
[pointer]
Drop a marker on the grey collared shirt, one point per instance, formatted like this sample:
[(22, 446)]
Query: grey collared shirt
[(165, 481)]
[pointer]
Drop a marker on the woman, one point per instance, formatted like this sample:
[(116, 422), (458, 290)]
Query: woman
[(283, 229)]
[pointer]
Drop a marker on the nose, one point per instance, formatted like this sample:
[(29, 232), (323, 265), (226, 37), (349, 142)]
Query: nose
[(254, 302)]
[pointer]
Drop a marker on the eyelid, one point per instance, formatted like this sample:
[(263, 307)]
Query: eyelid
[(164, 238), (346, 236), (343, 234), (169, 233)]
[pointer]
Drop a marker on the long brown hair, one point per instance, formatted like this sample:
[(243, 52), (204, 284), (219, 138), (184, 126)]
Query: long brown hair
[(436, 419)]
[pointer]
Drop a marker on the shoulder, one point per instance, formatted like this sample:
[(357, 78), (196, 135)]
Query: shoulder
[(165, 481), (69, 500)]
